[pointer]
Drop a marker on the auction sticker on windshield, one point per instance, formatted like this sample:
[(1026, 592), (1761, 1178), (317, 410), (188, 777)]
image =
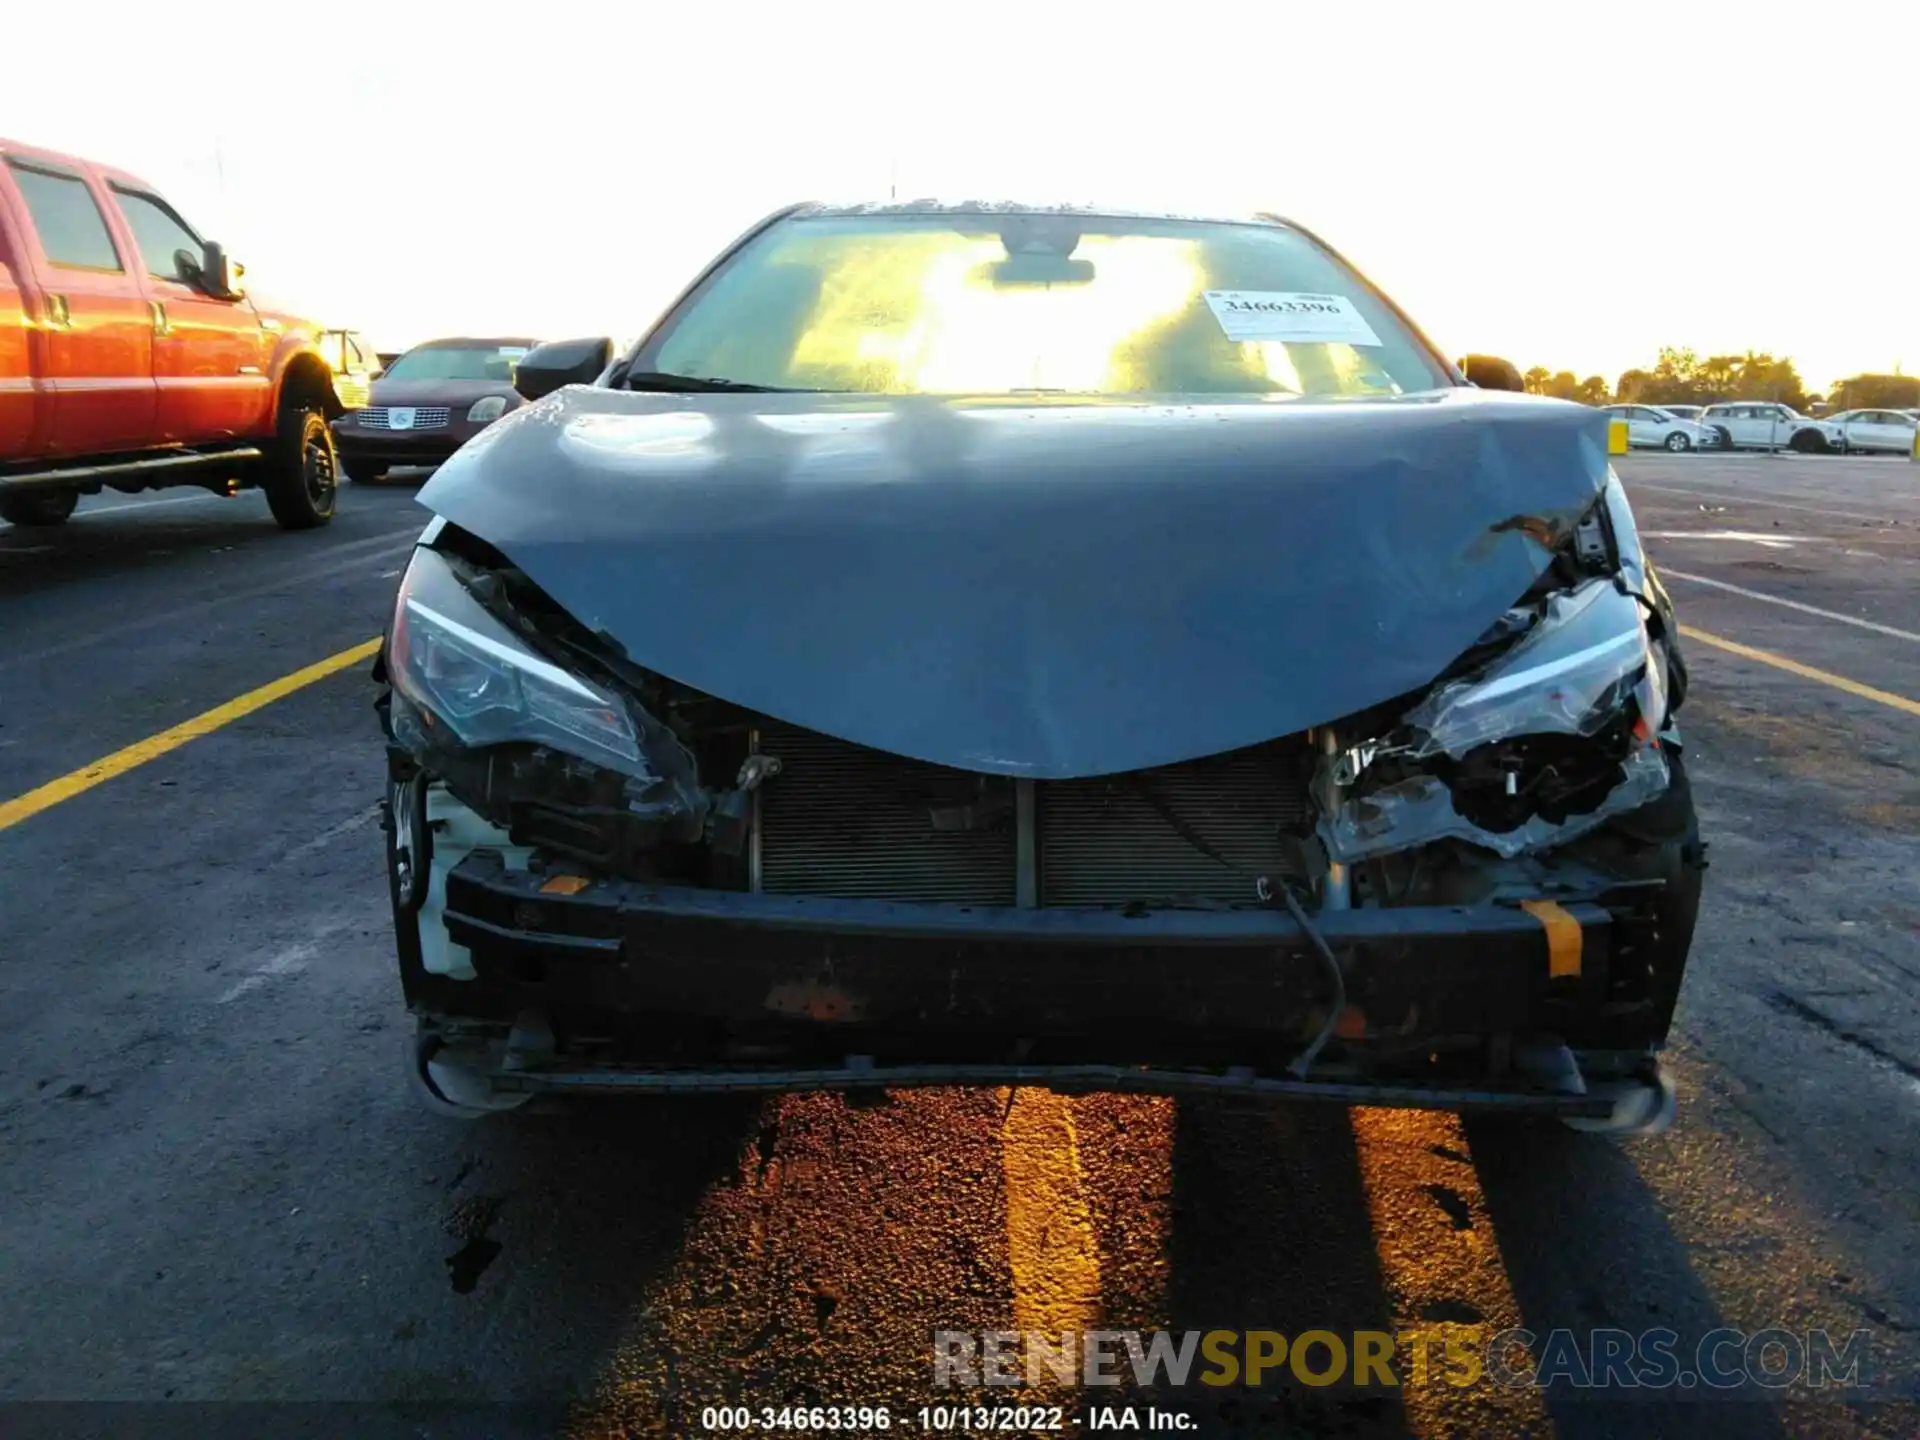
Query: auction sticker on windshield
[(1289, 315)]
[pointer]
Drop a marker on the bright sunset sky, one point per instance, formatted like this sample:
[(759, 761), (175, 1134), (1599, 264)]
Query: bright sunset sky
[(1564, 185)]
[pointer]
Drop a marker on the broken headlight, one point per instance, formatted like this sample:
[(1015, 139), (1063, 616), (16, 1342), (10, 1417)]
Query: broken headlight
[(462, 669), (1531, 750), (1571, 674)]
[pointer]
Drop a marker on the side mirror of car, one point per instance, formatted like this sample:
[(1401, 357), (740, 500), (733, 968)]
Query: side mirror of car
[(546, 368), (1489, 372), (212, 273)]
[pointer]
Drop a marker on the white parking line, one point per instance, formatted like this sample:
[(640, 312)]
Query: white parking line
[(329, 567), (1762, 500), (1750, 537), (290, 961), (1855, 620), (332, 833), (94, 504), (101, 506)]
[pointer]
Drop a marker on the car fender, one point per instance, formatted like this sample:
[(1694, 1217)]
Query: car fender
[(300, 372)]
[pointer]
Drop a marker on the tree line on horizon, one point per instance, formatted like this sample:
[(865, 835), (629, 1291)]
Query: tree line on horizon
[(1681, 377)]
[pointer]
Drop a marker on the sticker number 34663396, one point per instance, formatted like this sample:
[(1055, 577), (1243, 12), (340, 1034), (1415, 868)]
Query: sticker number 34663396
[(1290, 315)]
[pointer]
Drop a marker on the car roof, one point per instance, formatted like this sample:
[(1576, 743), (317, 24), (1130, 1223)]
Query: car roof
[(814, 209), (472, 342), (38, 154)]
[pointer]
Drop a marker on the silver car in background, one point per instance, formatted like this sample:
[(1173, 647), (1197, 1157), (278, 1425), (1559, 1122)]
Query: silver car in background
[(1657, 426), (1769, 425), (1877, 431)]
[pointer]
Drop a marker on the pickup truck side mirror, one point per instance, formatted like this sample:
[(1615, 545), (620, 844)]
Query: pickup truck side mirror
[(216, 275), (546, 368)]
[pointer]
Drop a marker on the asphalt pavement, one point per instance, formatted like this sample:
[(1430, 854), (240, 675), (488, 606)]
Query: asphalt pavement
[(215, 1189)]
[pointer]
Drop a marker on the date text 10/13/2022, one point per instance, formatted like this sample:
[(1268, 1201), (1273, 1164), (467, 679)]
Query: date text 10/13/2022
[(941, 1419)]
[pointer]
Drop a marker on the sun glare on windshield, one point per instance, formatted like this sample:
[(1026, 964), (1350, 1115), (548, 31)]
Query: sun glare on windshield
[(969, 334), (1030, 303)]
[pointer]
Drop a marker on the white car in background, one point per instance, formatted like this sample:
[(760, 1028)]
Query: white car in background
[(1685, 412), (1887, 430), (1654, 425), (1769, 425)]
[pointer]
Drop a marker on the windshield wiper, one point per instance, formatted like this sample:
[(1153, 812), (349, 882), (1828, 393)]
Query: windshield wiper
[(698, 384)]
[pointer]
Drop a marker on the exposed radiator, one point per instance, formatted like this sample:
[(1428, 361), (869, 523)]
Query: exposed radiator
[(1109, 841), (845, 821)]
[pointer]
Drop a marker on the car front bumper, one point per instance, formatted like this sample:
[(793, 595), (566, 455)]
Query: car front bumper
[(641, 987)]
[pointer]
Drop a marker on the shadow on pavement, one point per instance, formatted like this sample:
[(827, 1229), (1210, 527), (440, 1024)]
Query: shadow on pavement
[(154, 539), (566, 1228), (1587, 1247), (1271, 1231)]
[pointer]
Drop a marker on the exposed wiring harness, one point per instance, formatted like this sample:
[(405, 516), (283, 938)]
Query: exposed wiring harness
[(1303, 1062), (1264, 888)]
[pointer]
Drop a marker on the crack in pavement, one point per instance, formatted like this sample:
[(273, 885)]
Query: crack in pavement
[(1792, 1005)]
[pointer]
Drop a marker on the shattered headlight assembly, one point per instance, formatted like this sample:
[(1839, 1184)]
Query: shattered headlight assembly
[(1583, 666), (462, 670), (1578, 666)]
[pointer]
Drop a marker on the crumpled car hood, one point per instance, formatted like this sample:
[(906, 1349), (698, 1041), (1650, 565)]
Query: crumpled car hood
[(1039, 589)]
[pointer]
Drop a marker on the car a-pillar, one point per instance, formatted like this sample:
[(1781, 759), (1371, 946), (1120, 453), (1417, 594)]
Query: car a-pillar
[(301, 470)]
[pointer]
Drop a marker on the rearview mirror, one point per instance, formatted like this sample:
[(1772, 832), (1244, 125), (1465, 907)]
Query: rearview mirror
[(547, 368), (1029, 270)]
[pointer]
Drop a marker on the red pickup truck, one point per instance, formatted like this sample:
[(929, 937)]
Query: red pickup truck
[(130, 358)]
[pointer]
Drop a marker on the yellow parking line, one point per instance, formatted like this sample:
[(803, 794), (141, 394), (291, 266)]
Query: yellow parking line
[(1051, 1250), (22, 807), (1805, 672)]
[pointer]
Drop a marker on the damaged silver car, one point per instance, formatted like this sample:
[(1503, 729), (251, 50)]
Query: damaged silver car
[(979, 644)]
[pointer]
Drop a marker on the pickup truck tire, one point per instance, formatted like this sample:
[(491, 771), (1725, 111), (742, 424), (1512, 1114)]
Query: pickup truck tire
[(45, 507), (302, 472)]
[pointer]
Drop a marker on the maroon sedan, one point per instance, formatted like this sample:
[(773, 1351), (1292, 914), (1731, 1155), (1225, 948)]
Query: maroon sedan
[(430, 402)]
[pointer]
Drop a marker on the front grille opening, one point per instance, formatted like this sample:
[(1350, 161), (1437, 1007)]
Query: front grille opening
[(846, 822), (425, 417)]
